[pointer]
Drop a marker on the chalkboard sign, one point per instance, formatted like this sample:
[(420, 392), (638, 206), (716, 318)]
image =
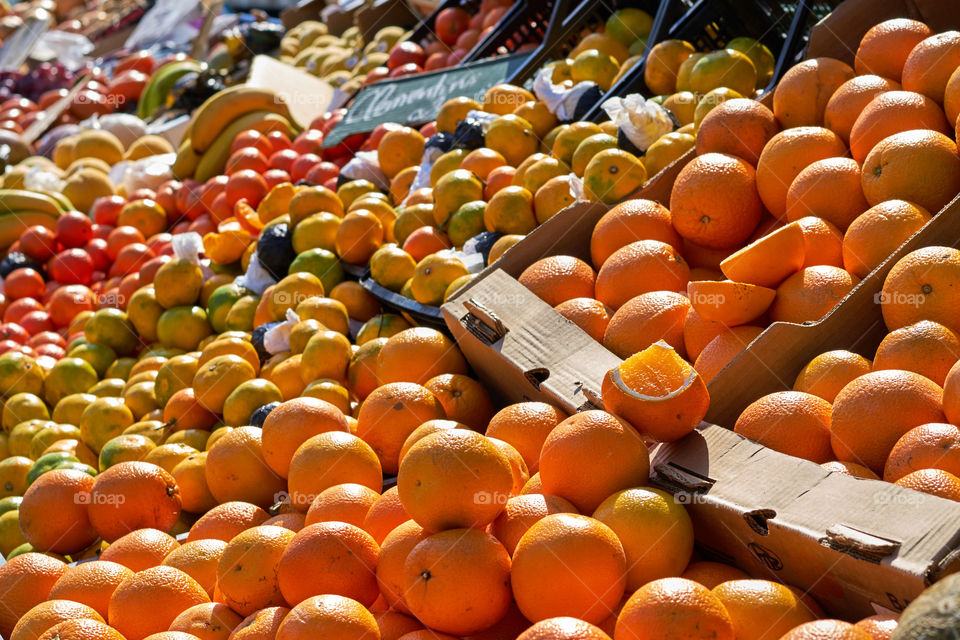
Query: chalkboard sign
[(417, 99)]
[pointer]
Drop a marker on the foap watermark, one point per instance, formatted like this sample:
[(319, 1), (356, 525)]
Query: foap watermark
[(708, 299), (689, 498), (99, 498), (113, 299), (287, 298), (304, 98), (900, 498), (114, 100), (490, 497), (900, 298)]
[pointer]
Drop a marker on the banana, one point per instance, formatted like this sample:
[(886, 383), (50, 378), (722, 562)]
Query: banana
[(186, 162), (225, 107), (23, 200), (62, 200), (215, 158), (161, 83), (14, 223)]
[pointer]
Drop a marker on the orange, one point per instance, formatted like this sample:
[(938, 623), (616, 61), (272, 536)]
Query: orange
[(329, 557), (629, 222), (951, 101), (639, 267), (730, 303), (216, 379), (498, 179), (521, 512), (453, 111), (850, 99), (698, 332), (711, 574), (207, 621), (612, 175), (801, 96), (675, 608), (416, 355), (936, 482), (662, 64), (140, 549), (785, 156), (556, 279), (920, 287), (538, 115), (463, 399), (552, 198), (457, 581), (291, 424), (723, 349), (260, 625), (48, 614), (590, 455), (760, 609), (90, 583), (880, 626), (930, 64), (362, 370), (285, 374), (384, 515), (823, 243), (344, 458), (645, 319), (587, 313), (394, 551), (247, 569), (563, 628), (428, 428), (242, 449), (81, 629), (893, 112), (714, 200), (360, 304), (393, 624), (816, 191), (26, 581), (525, 426), (224, 346), (226, 520), (738, 127), (198, 559), (769, 260), (512, 137), (148, 601), (951, 394), (919, 166), (505, 98), (53, 514), (568, 565), (819, 629), (849, 469), (331, 617), (399, 149), (346, 502), (476, 480), (359, 235), (885, 47), (510, 211), (811, 293), (790, 422), (874, 411), (390, 414), (929, 446), (927, 348), (191, 477), (659, 392), (877, 233), (825, 375)]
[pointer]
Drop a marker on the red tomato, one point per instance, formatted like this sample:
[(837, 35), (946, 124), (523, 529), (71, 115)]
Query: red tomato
[(71, 266), (38, 243)]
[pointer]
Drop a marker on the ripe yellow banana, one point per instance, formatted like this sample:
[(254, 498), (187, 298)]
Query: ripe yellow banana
[(186, 162), (23, 200), (62, 200), (223, 108), (215, 158), (14, 223)]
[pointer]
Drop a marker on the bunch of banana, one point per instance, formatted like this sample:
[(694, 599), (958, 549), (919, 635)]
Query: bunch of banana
[(206, 144), (161, 83), (20, 209)]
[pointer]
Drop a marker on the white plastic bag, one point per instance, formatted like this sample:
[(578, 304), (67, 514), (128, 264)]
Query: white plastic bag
[(70, 49), (642, 121), (560, 100), (149, 172), (187, 246), (365, 166), (39, 179), (576, 188), (256, 279), (277, 339)]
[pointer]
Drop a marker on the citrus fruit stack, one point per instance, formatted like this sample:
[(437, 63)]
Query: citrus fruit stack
[(891, 417)]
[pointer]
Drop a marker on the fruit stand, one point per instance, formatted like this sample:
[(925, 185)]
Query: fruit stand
[(480, 319)]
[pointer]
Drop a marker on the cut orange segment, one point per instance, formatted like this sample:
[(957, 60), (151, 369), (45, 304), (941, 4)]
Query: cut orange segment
[(770, 260), (728, 302), (658, 392)]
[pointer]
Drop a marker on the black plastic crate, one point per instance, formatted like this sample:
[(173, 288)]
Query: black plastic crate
[(709, 24), (414, 312), (526, 22)]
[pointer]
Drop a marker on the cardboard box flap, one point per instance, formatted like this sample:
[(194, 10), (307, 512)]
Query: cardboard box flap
[(548, 353), (307, 96)]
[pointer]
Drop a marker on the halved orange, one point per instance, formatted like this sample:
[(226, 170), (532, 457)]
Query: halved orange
[(770, 260), (732, 303), (658, 392)]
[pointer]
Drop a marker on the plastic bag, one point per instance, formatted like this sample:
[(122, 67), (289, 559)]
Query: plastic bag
[(39, 179), (642, 121), (422, 179), (256, 279), (576, 188), (365, 166), (560, 100), (70, 49), (187, 246), (127, 127), (277, 339), (148, 173)]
